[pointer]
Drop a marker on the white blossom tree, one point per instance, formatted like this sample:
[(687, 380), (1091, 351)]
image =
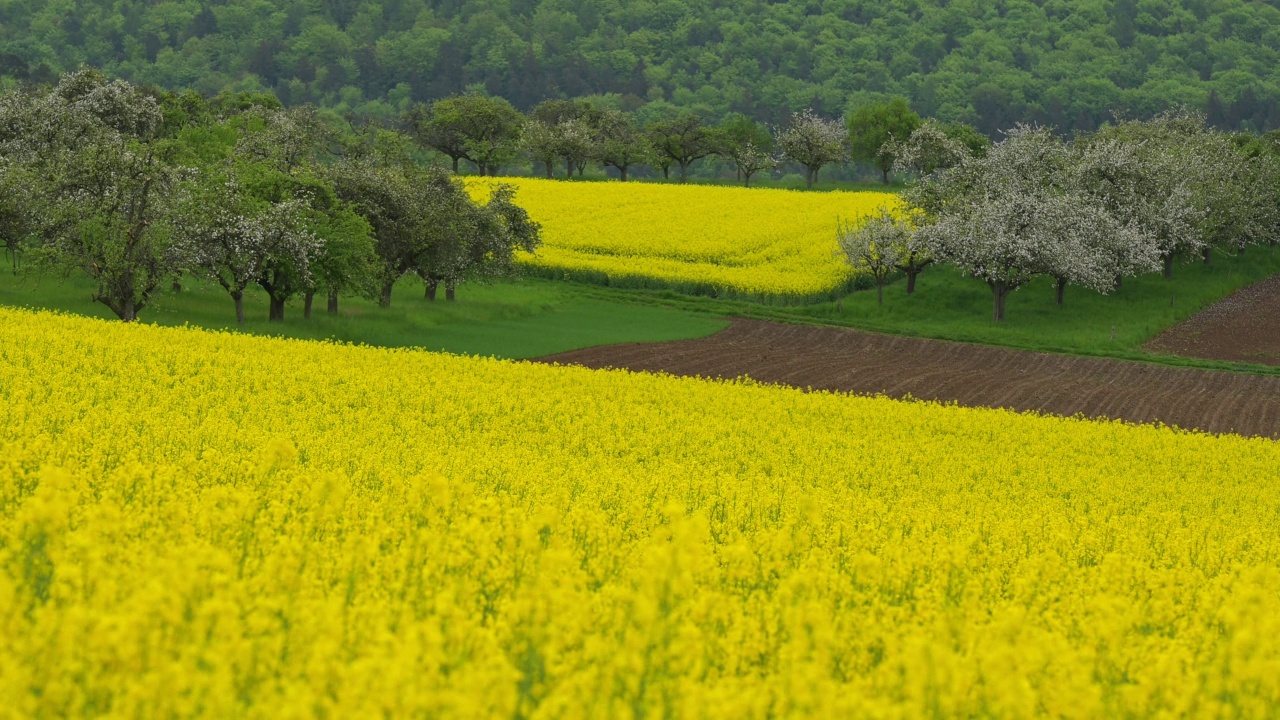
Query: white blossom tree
[(1093, 247), (1242, 208), (1153, 175), (814, 142), (238, 240), (914, 253), (1010, 216), (101, 184), (873, 245), (927, 150), (541, 141), (750, 159), (579, 143)]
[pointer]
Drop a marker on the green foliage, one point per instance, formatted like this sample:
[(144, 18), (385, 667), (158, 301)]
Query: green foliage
[(950, 306), (871, 126), (1066, 63), (482, 130), (682, 141), (523, 319), (88, 161)]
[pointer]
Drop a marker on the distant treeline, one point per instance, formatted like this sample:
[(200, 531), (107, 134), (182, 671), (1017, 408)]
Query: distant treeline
[(1071, 64), (489, 133)]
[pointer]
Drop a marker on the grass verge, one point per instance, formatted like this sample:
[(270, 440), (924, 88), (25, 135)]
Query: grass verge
[(949, 306), (520, 319)]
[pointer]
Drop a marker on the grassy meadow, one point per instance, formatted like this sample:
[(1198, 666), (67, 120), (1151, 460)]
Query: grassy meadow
[(511, 319)]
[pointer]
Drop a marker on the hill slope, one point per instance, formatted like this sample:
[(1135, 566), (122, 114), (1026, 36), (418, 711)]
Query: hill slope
[(1064, 62)]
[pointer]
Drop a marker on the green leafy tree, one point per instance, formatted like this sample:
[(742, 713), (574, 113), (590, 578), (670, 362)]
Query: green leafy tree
[(346, 260), (480, 129), (395, 201), (871, 126), (682, 141), (747, 144), (478, 241), (967, 136), (1068, 66), (620, 145)]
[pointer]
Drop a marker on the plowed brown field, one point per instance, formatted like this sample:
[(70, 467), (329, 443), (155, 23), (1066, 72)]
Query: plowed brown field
[(1243, 327), (974, 375)]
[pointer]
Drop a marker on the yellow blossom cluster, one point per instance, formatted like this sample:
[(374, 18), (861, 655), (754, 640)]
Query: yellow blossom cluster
[(709, 239), (197, 524)]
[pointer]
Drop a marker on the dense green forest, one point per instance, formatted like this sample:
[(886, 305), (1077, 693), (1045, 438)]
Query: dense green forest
[(991, 63)]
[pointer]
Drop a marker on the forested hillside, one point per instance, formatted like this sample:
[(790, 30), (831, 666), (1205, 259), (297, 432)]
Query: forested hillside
[(1069, 63)]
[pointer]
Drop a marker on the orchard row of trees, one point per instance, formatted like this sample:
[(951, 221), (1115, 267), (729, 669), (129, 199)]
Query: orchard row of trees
[(1132, 198), (139, 188), (489, 133)]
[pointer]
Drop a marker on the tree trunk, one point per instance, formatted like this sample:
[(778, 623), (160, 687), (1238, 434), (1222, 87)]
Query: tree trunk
[(999, 293), (885, 176), (126, 310), (1208, 255), (384, 299), (581, 169), (1168, 266), (622, 173), (1242, 248), (911, 281), (808, 179), (568, 169), (307, 299), (455, 166), (666, 172), (548, 171), (449, 292), (1119, 282), (238, 297), (1061, 290), (684, 172), (431, 289), (177, 286), (276, 312), (333, 302), (880, 292), (746, 179)]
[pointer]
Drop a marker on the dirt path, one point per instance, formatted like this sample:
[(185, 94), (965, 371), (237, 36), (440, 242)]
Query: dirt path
[(1243, 327), (974, 375)]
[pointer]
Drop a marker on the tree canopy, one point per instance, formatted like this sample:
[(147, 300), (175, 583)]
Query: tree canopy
[(1065, 63)]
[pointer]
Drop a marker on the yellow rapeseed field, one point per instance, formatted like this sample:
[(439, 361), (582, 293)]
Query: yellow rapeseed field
[(724, 240), (217, 525)]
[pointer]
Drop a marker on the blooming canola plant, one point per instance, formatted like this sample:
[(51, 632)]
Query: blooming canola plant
[(206, 524), (751, 242)]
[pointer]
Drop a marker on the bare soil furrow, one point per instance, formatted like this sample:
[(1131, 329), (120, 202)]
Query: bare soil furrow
[(973, 375), (1243, 327)]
